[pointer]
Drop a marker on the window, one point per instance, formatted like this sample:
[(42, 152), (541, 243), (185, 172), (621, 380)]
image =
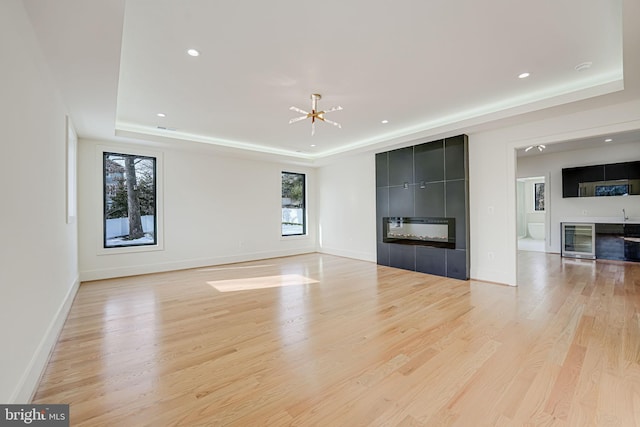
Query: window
[(538, 202), (294, 221), (130, 214)]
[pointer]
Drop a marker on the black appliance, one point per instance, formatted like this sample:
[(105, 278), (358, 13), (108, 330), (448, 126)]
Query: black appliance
[(632, 242)]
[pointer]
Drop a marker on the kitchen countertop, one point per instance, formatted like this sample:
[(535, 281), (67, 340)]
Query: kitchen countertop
[(601, 220)]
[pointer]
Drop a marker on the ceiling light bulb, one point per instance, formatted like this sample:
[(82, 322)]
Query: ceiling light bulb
[(608, 140), (313, 145), (384, 122), (193, 52), (523, 75), (540, 148), (528, 148), (161, 115)]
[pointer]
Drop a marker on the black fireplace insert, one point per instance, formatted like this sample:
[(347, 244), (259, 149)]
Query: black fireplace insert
[(427, 231)]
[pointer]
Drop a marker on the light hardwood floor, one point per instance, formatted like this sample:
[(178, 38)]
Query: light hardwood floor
[(318, 340)]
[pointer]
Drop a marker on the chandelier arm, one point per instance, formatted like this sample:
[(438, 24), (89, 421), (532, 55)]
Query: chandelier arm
[(315, 113), (298, 110), (332, 109), (336, 124), (297, 119)]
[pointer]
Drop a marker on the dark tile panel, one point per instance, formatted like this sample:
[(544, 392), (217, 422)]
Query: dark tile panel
[(455, 157), (431, 260), (435, 174), (382, 209), (382, 169), (401, 201), (429, 201), (457, 264), (429, 161), (382, 253), (401, 166), (456, 207), (402, 256)]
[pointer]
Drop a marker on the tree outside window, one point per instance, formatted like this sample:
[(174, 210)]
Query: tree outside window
[(538, 202), (129, 200), (293, 204)]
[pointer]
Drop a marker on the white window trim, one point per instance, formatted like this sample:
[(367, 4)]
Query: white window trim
[(306, 207), (159, 246)]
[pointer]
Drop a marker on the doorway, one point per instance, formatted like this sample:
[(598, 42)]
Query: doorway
[(531, 213)]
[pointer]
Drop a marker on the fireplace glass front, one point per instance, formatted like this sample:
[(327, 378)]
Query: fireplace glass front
[(439, 232)]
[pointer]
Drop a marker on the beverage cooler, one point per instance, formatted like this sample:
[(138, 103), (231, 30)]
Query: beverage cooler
[(578, 240)]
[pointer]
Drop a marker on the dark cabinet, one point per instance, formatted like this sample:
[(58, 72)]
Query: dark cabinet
[(611, 179), (573, 177), (632, 242), (616, 171), (618, 242), (633, 170), (626, 170), (609, 241)]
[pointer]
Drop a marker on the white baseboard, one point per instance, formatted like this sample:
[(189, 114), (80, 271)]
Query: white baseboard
[(135, 270), (363, 256), (29, 381)]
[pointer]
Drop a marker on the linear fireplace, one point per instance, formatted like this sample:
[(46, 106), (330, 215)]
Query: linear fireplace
[(438, 232)]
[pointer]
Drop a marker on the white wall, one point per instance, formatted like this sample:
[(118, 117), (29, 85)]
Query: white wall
[(38, 271), (347, 207), (529, 189), (492, 179), (217, 210), (527, 212), (570, 209)]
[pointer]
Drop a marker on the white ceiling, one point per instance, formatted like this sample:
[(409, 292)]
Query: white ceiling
[(606, 140), (421, 65)]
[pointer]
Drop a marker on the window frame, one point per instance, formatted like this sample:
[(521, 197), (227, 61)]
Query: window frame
[(305, 230), (101, 151)]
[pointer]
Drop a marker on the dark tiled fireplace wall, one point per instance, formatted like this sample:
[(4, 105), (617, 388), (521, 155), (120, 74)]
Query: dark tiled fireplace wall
[(425, 180)]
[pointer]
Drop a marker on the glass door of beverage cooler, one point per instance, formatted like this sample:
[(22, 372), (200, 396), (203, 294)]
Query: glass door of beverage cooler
[(578, 240)]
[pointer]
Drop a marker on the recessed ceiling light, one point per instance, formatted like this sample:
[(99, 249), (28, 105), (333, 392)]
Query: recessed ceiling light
[(193, 52), (384, 122), (608, 140), (313, 145), (584, 66), (523, 75), (161, 115)]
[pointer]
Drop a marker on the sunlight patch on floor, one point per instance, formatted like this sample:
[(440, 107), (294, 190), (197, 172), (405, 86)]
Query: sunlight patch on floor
[(265, 282)]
